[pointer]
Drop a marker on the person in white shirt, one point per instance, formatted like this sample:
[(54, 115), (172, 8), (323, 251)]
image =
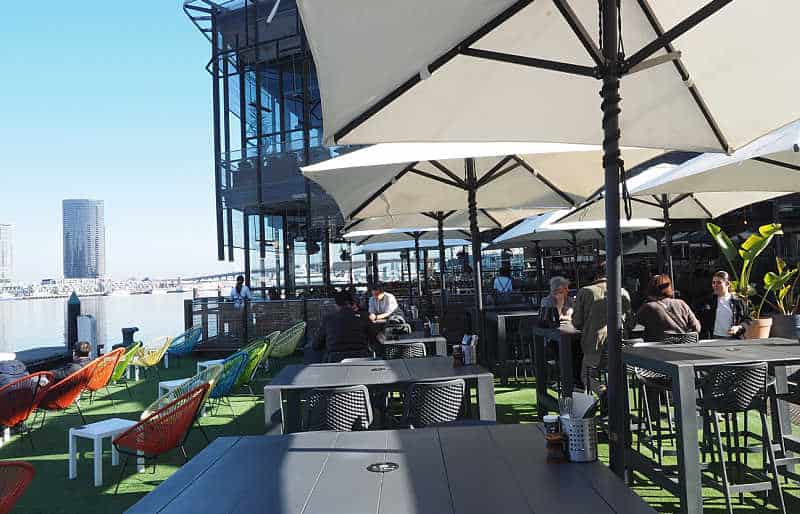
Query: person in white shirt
[(502, 282), (724, 315), (240, 293), (382, 305)]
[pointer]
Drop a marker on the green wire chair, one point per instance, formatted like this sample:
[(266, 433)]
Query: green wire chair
[(122, 367), (256, 351), (286, 343)]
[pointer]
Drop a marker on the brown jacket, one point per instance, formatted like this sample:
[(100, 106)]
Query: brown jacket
[(666, 315), (590, 314)]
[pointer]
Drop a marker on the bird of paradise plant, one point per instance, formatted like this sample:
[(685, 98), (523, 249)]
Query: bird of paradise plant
[(783, 286)]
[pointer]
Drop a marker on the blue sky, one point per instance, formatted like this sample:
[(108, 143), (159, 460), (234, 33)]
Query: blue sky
[(111, 101)]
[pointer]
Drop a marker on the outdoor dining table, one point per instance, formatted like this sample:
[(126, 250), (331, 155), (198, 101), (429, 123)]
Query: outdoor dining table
[(680, 363), (565, 336), (455, 470), (438, 343), (283, 394), (499, 319)]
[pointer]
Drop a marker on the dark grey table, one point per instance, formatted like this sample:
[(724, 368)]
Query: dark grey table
[(455, 470), (680, 363), (498, 319), (283, 394), (565, 337)]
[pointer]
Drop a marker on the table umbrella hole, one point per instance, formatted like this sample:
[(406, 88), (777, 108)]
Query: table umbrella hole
[(378, 369), (383, 467)]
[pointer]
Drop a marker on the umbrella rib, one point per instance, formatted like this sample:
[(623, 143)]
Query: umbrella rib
[(350, 226), (534, 62), (545, 181), (495, 172), (435, 65), (437, 179), (491, 218), (684, 74), (678, 199), (489, 180), (380, 191), (700, 204), (675, 32), (580, 31), (639, 200), (774, 162), (444, 169)]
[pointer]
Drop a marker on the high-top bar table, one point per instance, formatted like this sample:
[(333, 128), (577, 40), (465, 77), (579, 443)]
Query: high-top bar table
[(680, 363), (454, 470), (565, 337), (283, 394), (499, 318)]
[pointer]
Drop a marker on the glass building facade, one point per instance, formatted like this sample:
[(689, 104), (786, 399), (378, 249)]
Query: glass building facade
[(6, 252), (84, 230), (267, 122)]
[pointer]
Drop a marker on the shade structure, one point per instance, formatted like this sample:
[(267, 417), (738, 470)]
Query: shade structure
[(394, 236), (771, 163), (409, 178), (488, 71), (548, 228), (487, 219), (398, 246)]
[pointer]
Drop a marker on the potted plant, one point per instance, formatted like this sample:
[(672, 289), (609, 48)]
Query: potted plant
[(743, 259), (783, 286)]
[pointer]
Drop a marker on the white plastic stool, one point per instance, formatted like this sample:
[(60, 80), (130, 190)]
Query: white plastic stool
[(108, 428), (201, 365)]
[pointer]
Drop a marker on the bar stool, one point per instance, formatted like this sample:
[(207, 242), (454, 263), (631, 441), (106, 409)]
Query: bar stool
[(728, 391)]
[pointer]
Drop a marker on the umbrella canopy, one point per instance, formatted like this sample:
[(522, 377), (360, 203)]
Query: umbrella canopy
[(487, 219), (643, 246), (390, 236), (469, 71), (547, 228), (397, 246), (769, 163), (408, 178)]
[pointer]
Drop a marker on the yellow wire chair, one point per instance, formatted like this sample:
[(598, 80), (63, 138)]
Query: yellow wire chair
[(286, 343), (150, 356)]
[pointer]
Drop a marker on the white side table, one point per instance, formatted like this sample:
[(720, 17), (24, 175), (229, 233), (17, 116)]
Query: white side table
[(201, 365), (168, 385), (97, 432)]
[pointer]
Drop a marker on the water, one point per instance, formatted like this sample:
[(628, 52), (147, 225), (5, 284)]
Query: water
[(26, 324)]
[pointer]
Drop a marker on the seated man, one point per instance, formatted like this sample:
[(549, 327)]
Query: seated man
[(345, 333), (79, 359), (383, 306)]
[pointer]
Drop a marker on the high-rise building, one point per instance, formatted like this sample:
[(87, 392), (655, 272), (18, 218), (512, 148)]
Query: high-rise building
[(6, 252), (84, 239)]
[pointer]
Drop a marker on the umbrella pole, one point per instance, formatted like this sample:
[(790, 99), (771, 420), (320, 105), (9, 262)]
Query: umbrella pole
[(475, 235), (667, 237), (538, 274), (442, 262), (416, 264), (577, 268), (611, 164)]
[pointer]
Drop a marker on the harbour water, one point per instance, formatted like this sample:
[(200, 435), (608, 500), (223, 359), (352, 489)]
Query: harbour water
[(26, 324)]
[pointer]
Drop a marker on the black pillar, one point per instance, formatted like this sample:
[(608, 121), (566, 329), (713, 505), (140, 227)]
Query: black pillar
[(326, 258), (417, 259), (576, 266), (539, 274), (73, 311), (217, 143), (442, 263), (246, 238), (667, 238), (475, 234), (375, 271), (288, 258), (611, 165)]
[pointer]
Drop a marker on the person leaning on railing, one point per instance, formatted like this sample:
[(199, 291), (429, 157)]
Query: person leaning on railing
[(662, 313)]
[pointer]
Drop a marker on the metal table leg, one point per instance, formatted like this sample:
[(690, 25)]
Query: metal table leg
[(566, 367), (502, 349), (273, 415), (685, 399), (540, 368), (486, 405)]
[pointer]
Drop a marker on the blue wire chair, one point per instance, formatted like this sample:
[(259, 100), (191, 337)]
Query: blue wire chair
[(232, 368), (184, 344)]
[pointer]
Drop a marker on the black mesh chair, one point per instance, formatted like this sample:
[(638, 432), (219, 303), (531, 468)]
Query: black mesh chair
[(728, 391), (341, 409), (403, 351), (433, 403), (687, 338)]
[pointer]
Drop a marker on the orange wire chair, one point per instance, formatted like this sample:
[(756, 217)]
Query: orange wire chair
[(162, 431), (103, 369), (20, 397), (65, 392), (15, 476)]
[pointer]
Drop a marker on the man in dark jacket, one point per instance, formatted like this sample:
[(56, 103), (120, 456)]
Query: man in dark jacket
[(723, 315), (345, 333)]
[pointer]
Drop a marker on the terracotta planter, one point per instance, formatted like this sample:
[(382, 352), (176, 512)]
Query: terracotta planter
[(758, 328), (785, 326)]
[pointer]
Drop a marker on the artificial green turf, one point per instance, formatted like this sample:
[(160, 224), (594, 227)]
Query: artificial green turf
[(52, 492)]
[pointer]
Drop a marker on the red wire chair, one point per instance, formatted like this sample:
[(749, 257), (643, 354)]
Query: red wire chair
[(15, 477), (103, 369), (63, 393), (20, 397), (162, 431)]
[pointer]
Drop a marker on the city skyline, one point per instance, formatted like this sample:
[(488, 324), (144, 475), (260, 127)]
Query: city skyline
[(6, 252), (84, 236)]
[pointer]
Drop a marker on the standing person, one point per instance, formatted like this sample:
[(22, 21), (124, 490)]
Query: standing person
[(590, 317), (502, 282), (559, 299), (662, 313), (240, 293), (723, 315), (345, 333)]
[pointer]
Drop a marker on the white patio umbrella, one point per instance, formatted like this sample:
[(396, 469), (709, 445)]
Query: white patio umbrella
[(411, 178), (520, 70), (398, 246)]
